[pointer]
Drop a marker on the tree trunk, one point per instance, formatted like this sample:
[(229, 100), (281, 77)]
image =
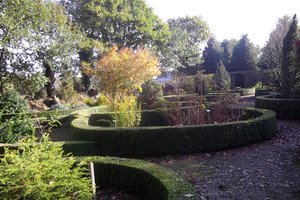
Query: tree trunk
[(85, 56), (50, 85)]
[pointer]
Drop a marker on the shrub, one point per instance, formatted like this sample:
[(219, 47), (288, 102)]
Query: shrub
[(129, 114), (189, 86), (41, 171), (151, 94), (12, 102), (16, 128), (222, 78)]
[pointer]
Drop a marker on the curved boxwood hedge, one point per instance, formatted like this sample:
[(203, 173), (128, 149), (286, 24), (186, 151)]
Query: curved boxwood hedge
[(284, 108), (160, 140), (140, 177)]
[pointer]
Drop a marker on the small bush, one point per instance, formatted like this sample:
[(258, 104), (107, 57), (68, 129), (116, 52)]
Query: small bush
[(151, 94), (12, 102), (41, 171)]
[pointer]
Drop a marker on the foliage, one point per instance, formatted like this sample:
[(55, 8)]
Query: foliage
[(124, 23), (222, 78), (189, 85), (16, 128), (192, 114), (243, 56), (66, 90), (34, 84), (12, 102), (271, 57), (17, 21), (120, 72), (33, 33), (151, 94), (183, 50), (288, 71), (102, 100), (208, 83), (228, 46), (212, 54), (129, 113), (41, 171)]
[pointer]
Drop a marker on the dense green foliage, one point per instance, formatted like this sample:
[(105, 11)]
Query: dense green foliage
[(243, 56), (41, 171), (154, 141), (12, 102), (151, 94), (288, 71), (183, 51), (284, 108), (148, 180), (17, 128), (212, 54), (222, 78)]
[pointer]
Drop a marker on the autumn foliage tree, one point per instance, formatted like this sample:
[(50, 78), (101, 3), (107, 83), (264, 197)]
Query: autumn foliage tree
[(120, 72)]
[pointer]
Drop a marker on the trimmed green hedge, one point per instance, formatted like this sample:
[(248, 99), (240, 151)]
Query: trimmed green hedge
[(140, 177), (160, 140), (284, 108)]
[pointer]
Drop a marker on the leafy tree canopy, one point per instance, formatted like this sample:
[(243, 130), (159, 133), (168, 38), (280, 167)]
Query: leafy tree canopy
[(124, 23), (183, 51)]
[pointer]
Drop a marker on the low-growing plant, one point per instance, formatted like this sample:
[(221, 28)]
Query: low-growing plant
[(12, 102), (42, 171)]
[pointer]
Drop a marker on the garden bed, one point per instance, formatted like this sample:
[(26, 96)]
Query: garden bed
[(161, 140)]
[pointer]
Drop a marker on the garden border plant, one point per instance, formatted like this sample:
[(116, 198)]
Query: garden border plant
[(161, 140), (284, 108)]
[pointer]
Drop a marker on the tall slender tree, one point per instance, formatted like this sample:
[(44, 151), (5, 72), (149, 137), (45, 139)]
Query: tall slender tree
[(288, 68), (244, 56), (228, 46), (271, 57)]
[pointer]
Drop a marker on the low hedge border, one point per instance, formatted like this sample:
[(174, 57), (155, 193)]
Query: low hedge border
[(140, 177), (161, 140), (284, 108)]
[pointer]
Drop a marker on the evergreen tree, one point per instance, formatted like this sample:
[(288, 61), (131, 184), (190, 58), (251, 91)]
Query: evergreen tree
[(228, 46), (243, 56), (211, 55), (288, 70), (222, 78)]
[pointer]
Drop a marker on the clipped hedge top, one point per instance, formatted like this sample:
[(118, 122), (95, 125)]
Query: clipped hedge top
[(175, 186)]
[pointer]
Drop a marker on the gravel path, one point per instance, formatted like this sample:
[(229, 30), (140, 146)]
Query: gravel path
[(268, 170)]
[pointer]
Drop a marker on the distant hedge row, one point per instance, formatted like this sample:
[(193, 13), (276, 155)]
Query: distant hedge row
[(160, 140), (146, 179), (284, 108)]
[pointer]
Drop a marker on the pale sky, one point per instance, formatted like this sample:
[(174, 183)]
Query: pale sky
[(229, 19)]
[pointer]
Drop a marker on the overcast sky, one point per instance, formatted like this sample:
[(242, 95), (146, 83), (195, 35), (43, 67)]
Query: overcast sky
[(231, 18)]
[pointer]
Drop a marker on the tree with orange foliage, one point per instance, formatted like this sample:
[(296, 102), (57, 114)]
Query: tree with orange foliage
[(121, 72)]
